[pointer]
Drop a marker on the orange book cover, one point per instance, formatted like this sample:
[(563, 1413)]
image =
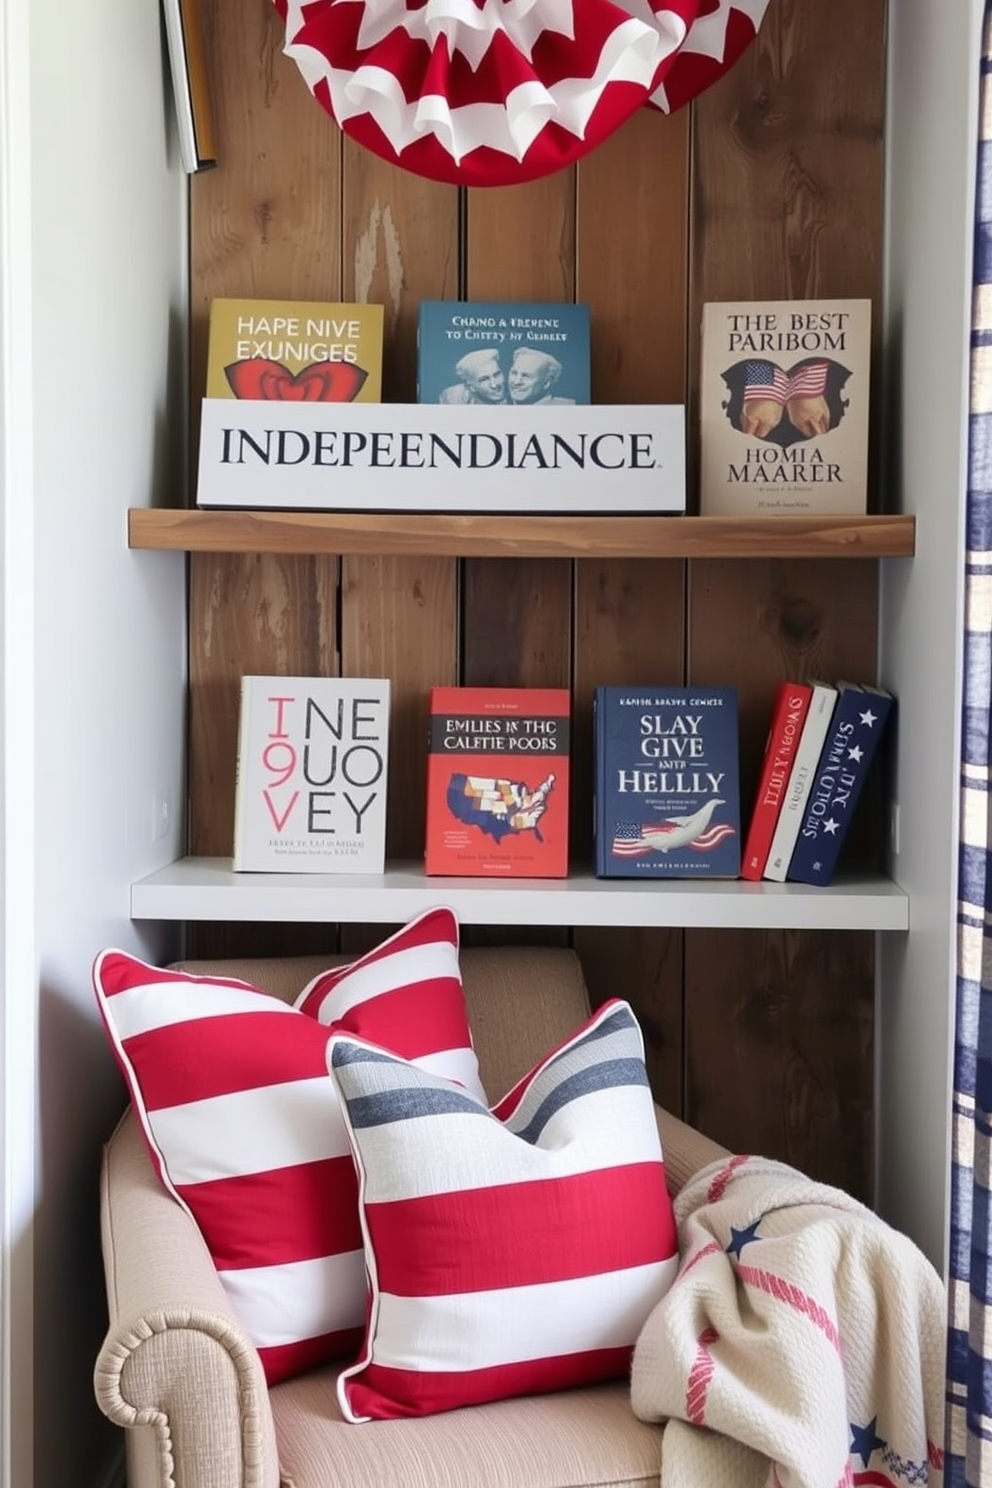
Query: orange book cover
[(497, 782)]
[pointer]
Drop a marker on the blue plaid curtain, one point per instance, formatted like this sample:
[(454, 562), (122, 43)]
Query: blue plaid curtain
[(969, 1375)]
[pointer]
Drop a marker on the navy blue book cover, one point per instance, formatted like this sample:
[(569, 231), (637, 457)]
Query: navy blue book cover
[(852, 741), (667, 782), (502, 352)]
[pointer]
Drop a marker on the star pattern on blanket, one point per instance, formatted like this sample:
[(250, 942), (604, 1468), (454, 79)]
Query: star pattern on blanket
[(740, 1238), (866, 1397), (865, 1440)]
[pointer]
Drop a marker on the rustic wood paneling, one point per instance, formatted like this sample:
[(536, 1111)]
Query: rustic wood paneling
[(516, 618), (399, 616), (520, 245), (786, 202), (263, 615), (779, 1036), (764, 1039), (629, 615), (266, 222)]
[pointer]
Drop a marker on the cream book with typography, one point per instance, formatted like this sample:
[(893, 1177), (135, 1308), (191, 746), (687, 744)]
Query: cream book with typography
[(783, 408)]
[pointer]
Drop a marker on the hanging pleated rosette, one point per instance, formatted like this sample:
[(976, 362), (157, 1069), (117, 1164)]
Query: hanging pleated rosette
[(721, 31), (494, 92)]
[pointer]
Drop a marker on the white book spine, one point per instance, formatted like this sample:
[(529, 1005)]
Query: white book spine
[(821, 707)]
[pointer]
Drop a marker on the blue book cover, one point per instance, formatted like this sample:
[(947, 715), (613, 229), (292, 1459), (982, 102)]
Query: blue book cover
[(667, 782), (852, 741), (502, 352)]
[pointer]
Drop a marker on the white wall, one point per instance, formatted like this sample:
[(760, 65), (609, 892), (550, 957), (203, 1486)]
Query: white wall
[(932, 131), (94, 637)]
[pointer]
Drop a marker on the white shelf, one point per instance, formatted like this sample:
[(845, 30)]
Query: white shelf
[(208, 889)]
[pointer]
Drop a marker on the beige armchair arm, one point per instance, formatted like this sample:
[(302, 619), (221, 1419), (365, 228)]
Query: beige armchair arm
[(175, 1367), (685, 1149)]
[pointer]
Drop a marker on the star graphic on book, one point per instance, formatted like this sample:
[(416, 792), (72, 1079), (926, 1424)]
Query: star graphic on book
[(856, 754), (740, 1238), (864, 1440), (868, 718), (831, 827)]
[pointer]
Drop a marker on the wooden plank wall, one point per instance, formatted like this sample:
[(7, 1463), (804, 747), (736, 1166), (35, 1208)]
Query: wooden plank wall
[(769, 185)]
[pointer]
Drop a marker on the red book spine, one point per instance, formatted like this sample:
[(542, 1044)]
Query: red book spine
[(792, 700)]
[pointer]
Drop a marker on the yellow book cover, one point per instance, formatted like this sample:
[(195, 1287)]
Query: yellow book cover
[(783, 408), (302, 351)]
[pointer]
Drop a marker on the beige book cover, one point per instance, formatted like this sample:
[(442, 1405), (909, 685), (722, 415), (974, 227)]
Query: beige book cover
[(784, 408), (305, 351), (312, 770)]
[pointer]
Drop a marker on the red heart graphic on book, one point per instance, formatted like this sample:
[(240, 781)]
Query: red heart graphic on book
[(322, 382)]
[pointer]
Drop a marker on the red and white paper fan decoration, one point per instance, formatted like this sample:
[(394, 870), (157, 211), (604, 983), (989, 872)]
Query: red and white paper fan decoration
[(494, 92)]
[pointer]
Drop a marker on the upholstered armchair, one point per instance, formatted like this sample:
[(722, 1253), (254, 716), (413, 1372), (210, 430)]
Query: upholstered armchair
[(179, 1373)]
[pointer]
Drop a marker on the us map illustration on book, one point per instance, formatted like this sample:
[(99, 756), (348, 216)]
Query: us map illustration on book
[(667, 792), (313, 758), (497, 782), (298, 351)]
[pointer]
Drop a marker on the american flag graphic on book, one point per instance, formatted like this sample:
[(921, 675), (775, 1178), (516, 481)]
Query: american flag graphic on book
[(632, 841), (767, 380)]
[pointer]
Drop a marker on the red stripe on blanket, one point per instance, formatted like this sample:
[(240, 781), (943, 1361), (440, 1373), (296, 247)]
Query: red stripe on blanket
[(875, 1480), (699, 1378), (712, 1248), (798, 1300), (720, 1183)]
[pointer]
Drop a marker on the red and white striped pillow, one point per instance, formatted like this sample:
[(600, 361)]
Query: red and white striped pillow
[(244, 1127), (511, 1251)]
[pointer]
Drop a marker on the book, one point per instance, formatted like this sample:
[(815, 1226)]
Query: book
[(666, 782), (304, 351), (312, 771), (856, 728), (783, 408), (190, 89), (502, 352), (497, 782), (800, 784), (789, 707)]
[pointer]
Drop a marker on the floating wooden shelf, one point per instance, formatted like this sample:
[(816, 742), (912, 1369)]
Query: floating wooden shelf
[(459, 536), (208, 889)]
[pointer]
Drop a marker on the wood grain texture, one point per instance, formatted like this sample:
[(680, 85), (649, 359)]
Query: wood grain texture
[(779, 1036), (517, 617), (399, 615), (630, 616), (443, 534), (770, 185), (786, 202), (519, 245), (399, 621), (787, 181), (261, 615), (266, 222)]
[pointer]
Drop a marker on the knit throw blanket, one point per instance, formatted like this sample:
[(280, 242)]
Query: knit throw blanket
[(802, 1344)]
